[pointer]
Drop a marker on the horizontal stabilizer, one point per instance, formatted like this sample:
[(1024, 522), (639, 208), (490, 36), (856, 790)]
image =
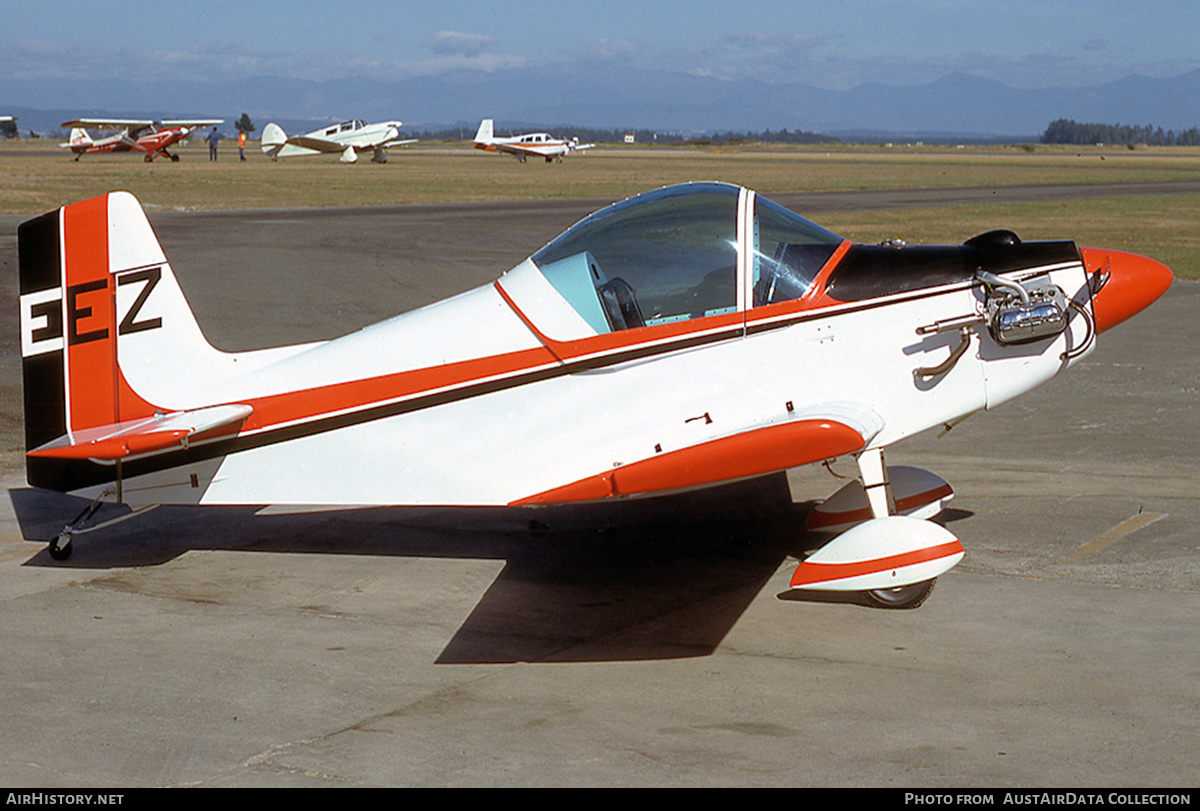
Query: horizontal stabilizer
[(150, 435), (883, 553)]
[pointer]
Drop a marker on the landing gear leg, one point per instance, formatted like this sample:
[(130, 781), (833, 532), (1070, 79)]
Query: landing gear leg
[(873, 469), (60, 546), (875, 482)]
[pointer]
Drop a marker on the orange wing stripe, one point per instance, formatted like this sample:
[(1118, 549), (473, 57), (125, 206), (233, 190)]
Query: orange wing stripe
[(753, 453)]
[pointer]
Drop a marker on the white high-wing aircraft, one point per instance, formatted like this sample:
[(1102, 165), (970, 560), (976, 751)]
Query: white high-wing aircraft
[(537, 144), (132, 135), (689, 336), (349, 138)]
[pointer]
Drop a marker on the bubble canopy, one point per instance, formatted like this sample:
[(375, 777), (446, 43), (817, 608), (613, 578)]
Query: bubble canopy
[(675, 253)]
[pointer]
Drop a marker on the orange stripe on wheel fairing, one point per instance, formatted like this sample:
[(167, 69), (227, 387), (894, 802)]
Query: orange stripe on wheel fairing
[(753, 453), (810, 573)]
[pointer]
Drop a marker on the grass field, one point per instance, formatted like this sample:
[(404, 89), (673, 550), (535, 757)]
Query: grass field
[(36, 177)]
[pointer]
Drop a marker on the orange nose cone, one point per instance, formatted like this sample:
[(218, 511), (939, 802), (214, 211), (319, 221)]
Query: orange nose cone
[(1133, 284)]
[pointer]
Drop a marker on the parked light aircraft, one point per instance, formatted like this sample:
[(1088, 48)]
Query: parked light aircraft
[(537, 144), (689, 336), (349, 138), (149, 137)]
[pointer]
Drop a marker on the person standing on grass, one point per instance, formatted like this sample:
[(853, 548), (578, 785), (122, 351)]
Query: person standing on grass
[(212, 144)]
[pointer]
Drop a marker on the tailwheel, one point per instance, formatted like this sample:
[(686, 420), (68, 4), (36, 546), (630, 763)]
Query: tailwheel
[(60, 547), (901, 597)]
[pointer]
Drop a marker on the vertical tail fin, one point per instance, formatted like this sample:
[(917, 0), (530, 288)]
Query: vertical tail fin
[(485, 133), (93, 275), (273, 139)]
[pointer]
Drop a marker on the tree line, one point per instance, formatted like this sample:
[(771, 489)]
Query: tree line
[(1066, 131), (641, 136)]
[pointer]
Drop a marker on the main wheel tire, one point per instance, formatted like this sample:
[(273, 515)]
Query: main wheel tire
[(901, 597)]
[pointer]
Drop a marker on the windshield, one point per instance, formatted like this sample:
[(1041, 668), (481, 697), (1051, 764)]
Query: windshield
[(789, 252), (667, 255)]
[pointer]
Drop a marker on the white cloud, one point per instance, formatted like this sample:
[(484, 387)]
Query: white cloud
[(460, 43), (232, 60)]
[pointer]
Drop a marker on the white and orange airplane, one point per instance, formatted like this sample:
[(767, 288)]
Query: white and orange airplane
[(535, 144), (348, 139), (689, 336), (133, 135)]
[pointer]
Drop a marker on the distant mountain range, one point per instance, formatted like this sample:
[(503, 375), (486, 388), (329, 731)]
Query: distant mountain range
[(957, 104)]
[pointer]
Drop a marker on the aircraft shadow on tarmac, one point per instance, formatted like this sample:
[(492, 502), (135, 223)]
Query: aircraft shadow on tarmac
[(651, 579), (659, 578)]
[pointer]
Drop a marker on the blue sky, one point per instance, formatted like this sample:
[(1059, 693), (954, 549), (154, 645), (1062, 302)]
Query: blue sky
[(835, 45)]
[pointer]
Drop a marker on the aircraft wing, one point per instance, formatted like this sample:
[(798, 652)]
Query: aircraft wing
[(323, 145), (192, 122), (130, 125), (810, 435), (515, 149), (315, 144)]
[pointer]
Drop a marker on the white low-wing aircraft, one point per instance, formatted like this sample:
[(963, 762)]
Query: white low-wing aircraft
[(536, 144), (152, 138), (689, 336), (348, 138)]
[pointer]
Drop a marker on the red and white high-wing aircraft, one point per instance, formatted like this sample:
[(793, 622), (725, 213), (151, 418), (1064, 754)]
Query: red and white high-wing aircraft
[(149, 137), (689, 336), (536, 144), (348, 138)]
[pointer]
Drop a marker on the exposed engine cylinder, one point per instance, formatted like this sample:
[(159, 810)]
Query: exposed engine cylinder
[(1022, 312)]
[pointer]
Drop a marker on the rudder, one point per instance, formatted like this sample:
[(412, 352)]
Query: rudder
[(484, 135), (87, 272)]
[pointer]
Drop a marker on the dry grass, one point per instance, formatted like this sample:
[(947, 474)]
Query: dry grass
[(36, 177)]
